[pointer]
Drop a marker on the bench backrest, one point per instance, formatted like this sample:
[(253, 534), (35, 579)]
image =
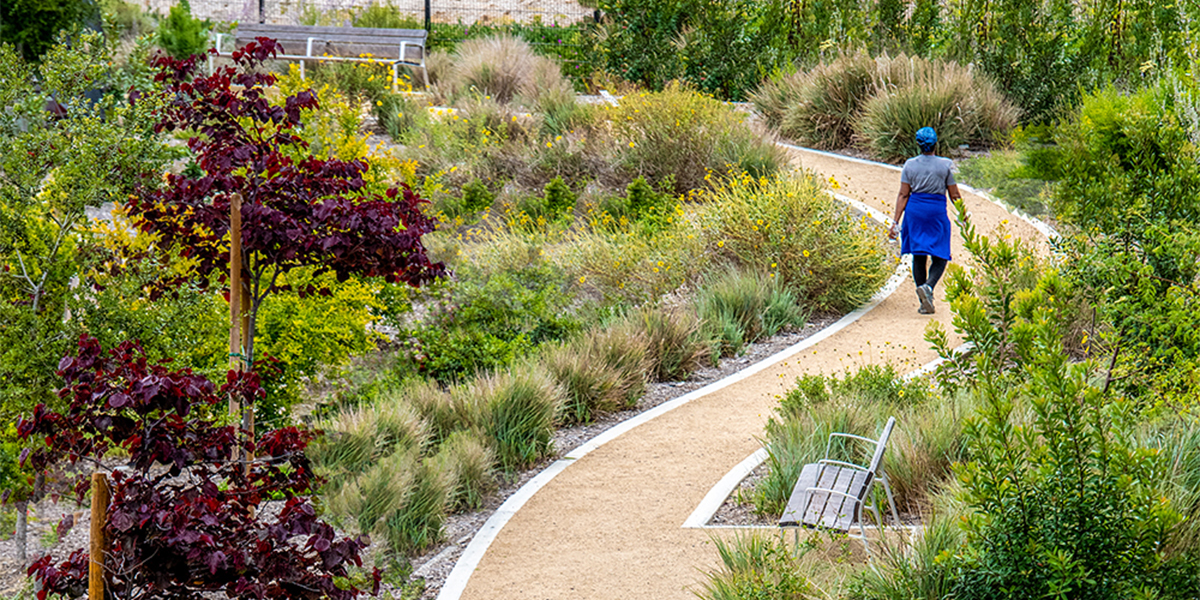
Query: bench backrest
[(339, 41), (877, 458)]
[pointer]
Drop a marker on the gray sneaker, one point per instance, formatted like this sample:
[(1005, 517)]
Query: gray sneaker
[(925, 294)]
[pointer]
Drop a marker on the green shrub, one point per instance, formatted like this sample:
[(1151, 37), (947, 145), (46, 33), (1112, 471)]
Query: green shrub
[(681, 134), (489, 320), (722, 48), (675, 345), (787, 227), (518, 411), (434, 404), (33, 26), (468, 463), (476, 196), (755, 566), (181, 34), (643, 200), (558, 197)]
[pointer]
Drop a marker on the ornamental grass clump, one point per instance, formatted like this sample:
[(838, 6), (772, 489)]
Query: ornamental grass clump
[(828, 102), (964, 107), (468, 463), (502, 67), (737, 308), (675, 345), (878, 104), (756, 566), (516, 411), (602, 371), (786, 226)]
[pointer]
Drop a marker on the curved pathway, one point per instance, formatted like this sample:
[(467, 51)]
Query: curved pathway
[(610, 526)]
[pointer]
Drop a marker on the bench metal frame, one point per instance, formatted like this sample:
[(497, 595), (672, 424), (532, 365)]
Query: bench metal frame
[(871, 473), (308, 55)]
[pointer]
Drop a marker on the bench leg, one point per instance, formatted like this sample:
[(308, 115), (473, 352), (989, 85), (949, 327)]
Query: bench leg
[(395, 76), (425, 74), (302, 69)]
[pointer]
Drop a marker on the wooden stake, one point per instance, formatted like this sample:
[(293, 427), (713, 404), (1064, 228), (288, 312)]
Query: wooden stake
[(236, 359), (96, 575)]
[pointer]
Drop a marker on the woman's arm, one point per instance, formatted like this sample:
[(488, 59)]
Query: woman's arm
[(952, 191), (901, 202)]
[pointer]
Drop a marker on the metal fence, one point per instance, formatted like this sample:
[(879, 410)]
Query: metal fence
[(464, 12)]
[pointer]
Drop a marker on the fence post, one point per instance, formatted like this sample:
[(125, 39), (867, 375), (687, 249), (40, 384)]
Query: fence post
[(428, 29), (96, 575)]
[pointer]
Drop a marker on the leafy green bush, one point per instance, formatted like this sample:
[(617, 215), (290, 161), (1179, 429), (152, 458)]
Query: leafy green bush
[(312, 335), (33, 26), (181, 34), (558, 197), (722, 48), (489, 322), (643, 200), (476, 196), (682, 134)]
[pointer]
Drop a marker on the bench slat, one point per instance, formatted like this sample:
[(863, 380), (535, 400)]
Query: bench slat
[(826, 510)]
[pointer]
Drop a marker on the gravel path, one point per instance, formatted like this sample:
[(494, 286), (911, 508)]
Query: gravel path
[(609, 526)]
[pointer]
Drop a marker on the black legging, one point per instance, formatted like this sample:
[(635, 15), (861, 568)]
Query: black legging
[(935, 270)]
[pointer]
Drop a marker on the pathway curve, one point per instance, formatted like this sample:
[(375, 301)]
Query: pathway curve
[(610, 526)]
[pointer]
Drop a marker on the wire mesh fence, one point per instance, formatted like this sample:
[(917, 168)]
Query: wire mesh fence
[(559, 28), (447, 12)]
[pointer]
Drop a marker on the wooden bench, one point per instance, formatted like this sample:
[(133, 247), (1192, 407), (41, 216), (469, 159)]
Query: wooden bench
[(831, 494), (351, 44)]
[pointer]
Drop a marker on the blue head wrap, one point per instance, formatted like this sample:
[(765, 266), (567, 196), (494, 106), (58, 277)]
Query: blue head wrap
[(926, 139)]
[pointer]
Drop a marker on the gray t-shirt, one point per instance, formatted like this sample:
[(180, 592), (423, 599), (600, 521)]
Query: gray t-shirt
[(928, 174)]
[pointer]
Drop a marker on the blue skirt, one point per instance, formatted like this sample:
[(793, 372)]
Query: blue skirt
[(926, 226)]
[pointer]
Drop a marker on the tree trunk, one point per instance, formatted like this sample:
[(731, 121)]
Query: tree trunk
[(22, 529)]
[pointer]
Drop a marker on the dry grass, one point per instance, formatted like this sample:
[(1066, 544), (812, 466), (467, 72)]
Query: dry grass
[(502, 67)]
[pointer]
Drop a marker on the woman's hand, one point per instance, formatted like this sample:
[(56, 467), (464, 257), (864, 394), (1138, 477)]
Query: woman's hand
[(892, 232)]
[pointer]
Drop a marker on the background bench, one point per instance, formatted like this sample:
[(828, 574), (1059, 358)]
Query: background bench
[(350, 44)]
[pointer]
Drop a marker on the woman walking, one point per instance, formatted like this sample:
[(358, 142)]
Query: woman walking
[(925, 234)]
